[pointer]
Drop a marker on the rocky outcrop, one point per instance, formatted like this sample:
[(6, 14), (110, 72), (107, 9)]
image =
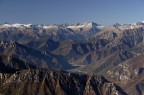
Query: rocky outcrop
[(45, 82)]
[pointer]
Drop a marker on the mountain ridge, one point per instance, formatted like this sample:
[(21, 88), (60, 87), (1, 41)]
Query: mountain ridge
[(115, 52)]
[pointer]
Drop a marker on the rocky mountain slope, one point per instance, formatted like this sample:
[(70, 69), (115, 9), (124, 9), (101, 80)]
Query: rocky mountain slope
[(115, 52), (44, 82), (40, 59), (25, 33), (19, 78)]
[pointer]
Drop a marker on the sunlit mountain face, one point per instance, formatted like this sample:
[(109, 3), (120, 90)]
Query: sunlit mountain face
[(72, 59)]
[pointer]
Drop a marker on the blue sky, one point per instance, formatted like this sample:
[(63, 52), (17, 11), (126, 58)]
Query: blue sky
[(105, 12)]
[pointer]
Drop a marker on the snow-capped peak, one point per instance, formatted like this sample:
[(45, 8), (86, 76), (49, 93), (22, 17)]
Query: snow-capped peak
[(16, 25), (27, 25), (85, 24), (142, 21), (129, 26), (50, 27), (84, 27)]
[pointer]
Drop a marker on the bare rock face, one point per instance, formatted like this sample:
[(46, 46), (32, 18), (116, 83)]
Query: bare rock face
[(20, 78), (45, 82)]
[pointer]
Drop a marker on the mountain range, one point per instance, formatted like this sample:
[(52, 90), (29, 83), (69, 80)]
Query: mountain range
[(87, 59)]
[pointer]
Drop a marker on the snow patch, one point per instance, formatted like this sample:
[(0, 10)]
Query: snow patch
[(17, 25)]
